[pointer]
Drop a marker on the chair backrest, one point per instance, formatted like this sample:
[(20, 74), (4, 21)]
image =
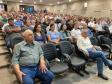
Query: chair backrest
[(106, 28), (15, 41), (99, 38), (66, 47), (49, 50), (94, 41), (105, 40)]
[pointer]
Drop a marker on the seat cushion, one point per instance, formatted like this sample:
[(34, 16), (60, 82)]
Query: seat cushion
[(77, 61), (58, 67)]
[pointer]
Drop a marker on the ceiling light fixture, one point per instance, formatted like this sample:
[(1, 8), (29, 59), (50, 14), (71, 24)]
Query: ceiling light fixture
[(21, 1), (58, 2), (41, 0), (34, 2), (70, 0), (1, 1), (85, 4)]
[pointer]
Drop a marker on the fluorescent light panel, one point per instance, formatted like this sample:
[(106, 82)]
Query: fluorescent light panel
[(85, 4), (21, 1), (70, 0), (41, 0), (34, 2), (1, 1), (58, 2)]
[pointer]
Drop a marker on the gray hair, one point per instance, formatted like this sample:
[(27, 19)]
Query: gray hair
[(26, 32)]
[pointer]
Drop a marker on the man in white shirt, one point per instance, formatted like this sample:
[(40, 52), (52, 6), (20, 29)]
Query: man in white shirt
[(76, 32), (85, 45), (98, 26), (91, 24)]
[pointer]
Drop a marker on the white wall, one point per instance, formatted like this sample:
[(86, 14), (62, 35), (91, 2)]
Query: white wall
[(15, 6), (96, 8)]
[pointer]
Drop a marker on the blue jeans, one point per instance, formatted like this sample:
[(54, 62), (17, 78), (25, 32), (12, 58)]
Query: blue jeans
[(34, 72), (101, 58)]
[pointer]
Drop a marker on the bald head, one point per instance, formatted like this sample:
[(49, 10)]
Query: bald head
[(28, 36)]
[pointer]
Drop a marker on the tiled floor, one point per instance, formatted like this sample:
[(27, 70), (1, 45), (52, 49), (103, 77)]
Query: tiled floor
[(73, 78)]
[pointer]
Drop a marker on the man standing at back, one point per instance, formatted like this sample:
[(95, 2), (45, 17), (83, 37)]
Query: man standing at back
[(28, 61)]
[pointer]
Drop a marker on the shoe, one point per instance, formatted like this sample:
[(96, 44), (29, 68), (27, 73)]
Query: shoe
[(110, 67), (103, 76)]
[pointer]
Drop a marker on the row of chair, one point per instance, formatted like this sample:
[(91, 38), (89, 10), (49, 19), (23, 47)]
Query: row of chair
[(104, 42), (66, 53), (68, 58)]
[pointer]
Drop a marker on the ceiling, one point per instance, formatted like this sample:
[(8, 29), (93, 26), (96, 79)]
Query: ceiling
[(47, 2)]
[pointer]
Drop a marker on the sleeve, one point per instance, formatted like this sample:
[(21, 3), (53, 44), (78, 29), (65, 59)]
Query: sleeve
[(5, 28), (58, 33), (48, 33), (61, 36), (41, 53), (16, 55)]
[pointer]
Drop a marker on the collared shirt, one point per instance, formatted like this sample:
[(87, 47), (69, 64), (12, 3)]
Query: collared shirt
[(84, 43), (64, 35), (27, 54), (76, 33), (99, 27), (91, 24), (19, 23), (54, 35), (7, 28)]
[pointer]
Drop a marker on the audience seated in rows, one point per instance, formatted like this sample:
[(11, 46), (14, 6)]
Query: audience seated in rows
[(54, 28)]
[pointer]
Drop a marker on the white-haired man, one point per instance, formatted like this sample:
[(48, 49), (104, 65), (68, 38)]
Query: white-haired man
[(28, 61)]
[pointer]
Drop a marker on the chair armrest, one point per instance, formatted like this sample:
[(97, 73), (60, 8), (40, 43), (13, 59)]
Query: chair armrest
[(66, 58), (105, 46), (47, 64), (85, 53)]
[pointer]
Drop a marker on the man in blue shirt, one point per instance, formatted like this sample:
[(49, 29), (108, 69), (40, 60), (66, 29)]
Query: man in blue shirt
[(18, 22)]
